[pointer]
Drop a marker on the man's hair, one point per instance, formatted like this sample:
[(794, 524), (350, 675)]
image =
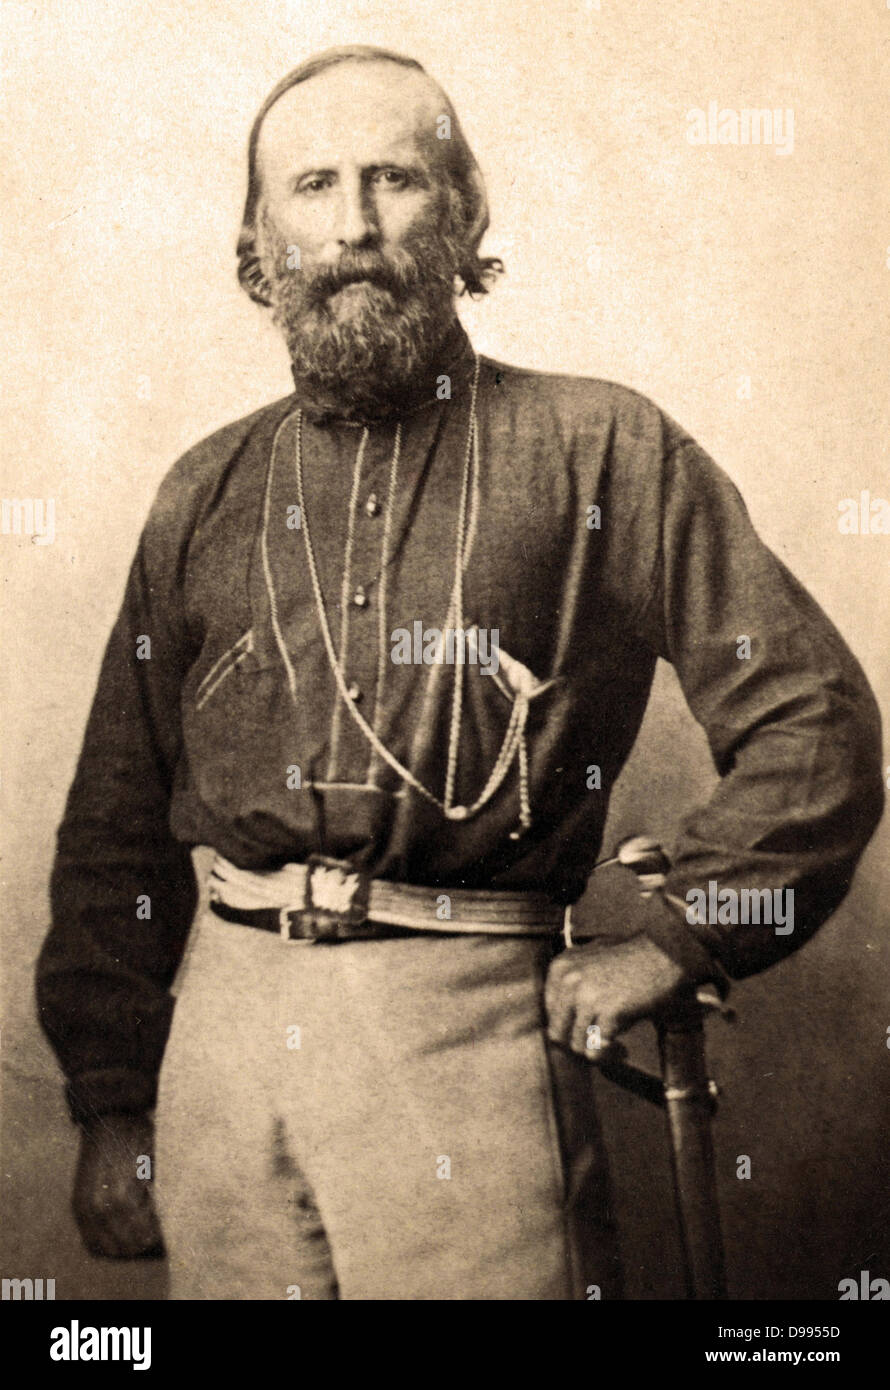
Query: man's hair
[(468, 203)]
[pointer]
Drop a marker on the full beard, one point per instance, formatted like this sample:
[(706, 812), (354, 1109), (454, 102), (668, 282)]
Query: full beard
[(361, 332)]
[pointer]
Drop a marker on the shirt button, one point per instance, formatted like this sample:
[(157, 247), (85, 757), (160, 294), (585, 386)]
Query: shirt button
[(372, 506), (354, 692), (360, 598)]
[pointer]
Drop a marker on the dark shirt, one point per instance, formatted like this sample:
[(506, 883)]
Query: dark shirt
[(197, 743)]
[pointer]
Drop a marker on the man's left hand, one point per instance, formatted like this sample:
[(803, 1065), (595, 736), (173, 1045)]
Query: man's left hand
[(597, 991)]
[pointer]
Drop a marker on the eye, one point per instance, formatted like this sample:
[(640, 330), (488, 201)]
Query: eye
[(392, 178), (314, 184)]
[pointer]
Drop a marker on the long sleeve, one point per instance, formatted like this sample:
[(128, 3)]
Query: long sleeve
[(792, 725), (676, 570), (122, 891)]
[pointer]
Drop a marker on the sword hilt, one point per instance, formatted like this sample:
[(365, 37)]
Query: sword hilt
[(647, 860)]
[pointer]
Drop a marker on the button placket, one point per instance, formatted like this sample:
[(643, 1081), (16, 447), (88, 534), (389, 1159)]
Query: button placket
[(361, 658)]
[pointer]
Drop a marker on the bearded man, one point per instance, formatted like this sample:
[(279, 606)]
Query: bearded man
[(377, 1080)]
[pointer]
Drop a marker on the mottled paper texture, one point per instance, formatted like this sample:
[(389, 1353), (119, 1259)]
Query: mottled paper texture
[(690, 198)]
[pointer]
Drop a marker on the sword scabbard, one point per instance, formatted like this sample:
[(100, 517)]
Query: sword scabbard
[(689, 1097)]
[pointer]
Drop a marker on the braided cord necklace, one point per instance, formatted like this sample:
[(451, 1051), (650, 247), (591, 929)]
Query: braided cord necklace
[(514, 737)]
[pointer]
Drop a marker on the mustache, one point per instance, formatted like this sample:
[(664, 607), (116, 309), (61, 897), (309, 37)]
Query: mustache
[(399, 275)]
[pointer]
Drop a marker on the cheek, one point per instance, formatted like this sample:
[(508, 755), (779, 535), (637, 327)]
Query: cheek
[(305, 227), (404, 217)]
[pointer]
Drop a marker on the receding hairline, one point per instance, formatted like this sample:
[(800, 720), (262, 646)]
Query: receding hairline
[(457, 163), (436, 101)]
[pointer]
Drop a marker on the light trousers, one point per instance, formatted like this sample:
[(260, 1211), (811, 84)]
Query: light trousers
[(376, 1120)]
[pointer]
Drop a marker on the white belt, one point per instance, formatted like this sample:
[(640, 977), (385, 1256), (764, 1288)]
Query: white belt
[(332, 889)]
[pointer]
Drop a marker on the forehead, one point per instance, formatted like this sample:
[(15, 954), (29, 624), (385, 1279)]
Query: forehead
[(367, 112)]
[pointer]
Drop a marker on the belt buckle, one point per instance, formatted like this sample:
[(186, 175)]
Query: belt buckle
[(286, 924), (335, 901)]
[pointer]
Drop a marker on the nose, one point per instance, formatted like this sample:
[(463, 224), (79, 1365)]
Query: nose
[(358, 218)]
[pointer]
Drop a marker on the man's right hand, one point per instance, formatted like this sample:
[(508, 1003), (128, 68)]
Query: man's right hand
[(112, 1204)]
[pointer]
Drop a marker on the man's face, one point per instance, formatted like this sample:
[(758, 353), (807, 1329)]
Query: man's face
[(349, 158), (352, 175)]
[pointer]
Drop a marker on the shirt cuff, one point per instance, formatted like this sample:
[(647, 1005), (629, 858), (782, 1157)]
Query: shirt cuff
[(114, 1091), (669, 932)]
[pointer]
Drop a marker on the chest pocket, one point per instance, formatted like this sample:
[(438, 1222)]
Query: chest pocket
[(500, 709), (223, 667), (515, 681)]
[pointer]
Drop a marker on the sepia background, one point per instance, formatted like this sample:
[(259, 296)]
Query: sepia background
[(745, 290)]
